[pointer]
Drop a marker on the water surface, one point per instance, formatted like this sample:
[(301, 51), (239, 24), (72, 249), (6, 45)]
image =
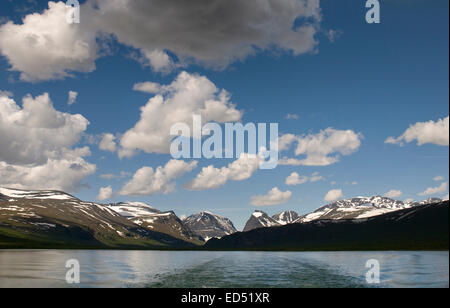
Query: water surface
[(46, 268)]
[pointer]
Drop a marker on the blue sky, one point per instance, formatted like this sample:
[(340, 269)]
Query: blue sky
[(373, 79)]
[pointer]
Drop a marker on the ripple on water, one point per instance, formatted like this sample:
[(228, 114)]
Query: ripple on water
[(240, 272)]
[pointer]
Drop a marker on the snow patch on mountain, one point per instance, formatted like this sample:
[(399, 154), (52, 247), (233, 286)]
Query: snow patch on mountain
[(35, 194), (134, 209)]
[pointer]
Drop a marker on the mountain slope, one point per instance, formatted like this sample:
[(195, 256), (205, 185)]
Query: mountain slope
[(259, 219), (361, 207), (424, 227), (149, 218), (286, 217), (208, 225), (47, 219)]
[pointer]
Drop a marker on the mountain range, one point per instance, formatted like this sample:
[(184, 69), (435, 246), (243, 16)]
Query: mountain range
[(54, 219), (423, 227), (354, 208)]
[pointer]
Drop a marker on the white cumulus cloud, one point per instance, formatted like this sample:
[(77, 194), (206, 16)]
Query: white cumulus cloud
[(72, 98), (147, 181), (105, 193), (286, 141), (333, 195), (430, 132), (64, 170), (38, 146), (29, 133), (393, 194), (147, 87), (274, 197), (188, 95), (212, 178), (435, 190), (108, 143), (44, 46), (295, 179), (321, 149)]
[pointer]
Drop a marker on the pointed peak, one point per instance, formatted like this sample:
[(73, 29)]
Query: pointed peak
[(258, 214)]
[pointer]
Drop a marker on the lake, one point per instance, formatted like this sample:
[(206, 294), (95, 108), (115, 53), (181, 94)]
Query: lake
[(148, 269)]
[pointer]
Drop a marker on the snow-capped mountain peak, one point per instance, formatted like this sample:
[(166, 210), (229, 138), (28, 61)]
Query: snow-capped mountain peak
[(259, 219), (258, 214), (285, 218), (209, 225)]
